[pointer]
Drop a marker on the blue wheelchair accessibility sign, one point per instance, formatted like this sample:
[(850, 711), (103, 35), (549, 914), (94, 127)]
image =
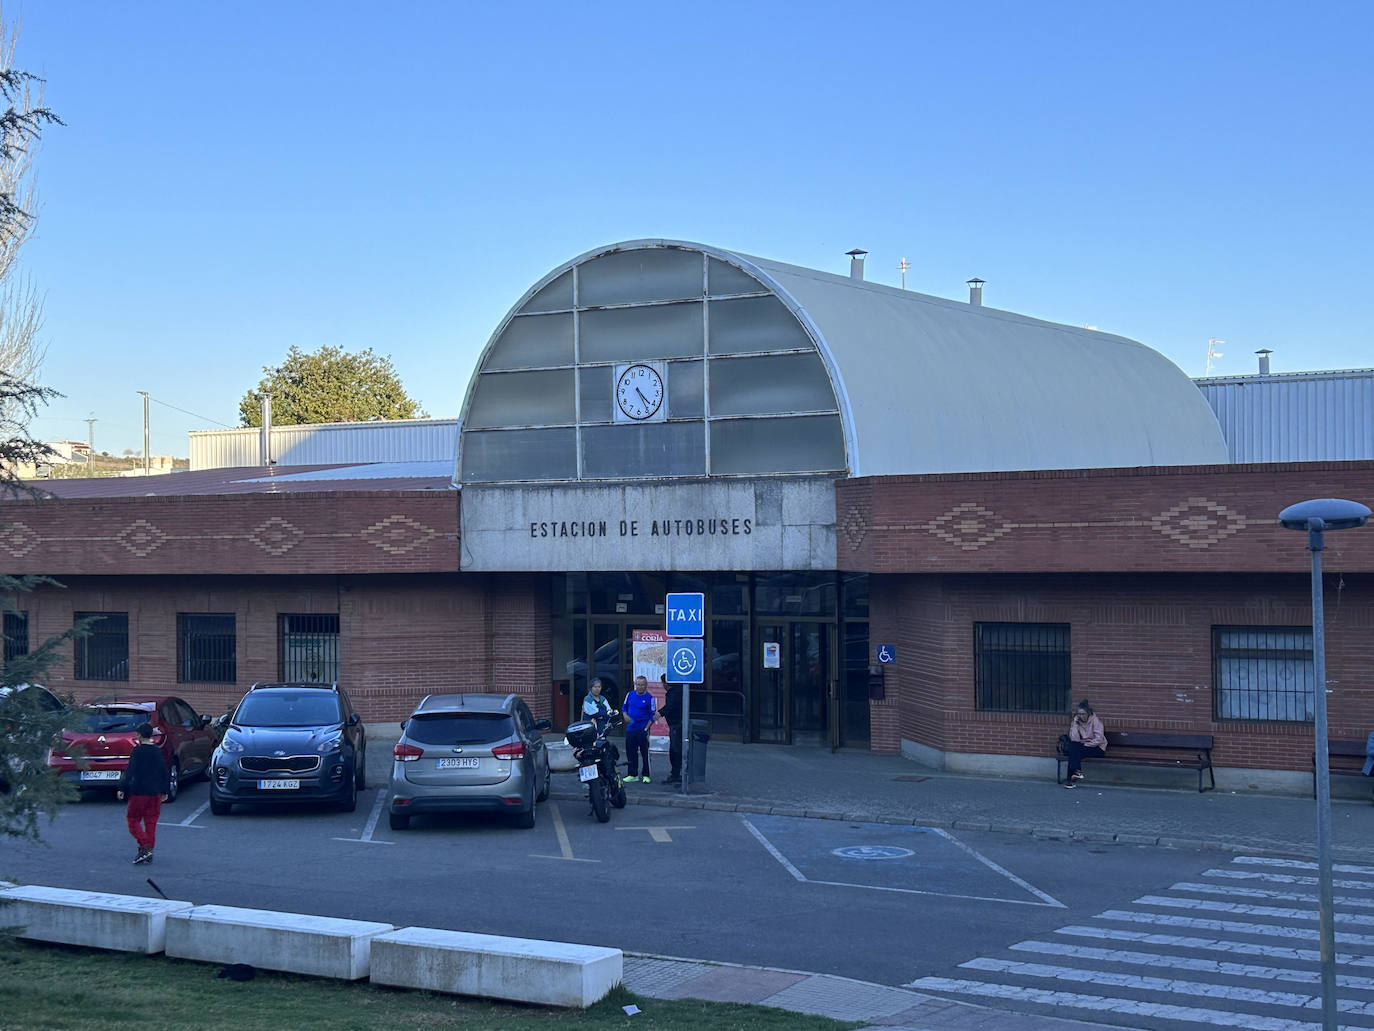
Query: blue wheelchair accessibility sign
[(887, 653), (685, 661)]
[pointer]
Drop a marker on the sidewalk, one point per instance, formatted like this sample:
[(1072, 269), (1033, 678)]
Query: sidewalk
[(863, 787)]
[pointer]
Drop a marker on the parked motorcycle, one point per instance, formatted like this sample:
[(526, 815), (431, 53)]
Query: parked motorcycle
[(597, 767)]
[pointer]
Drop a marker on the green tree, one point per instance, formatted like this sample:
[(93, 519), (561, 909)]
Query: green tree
[(330, 385)]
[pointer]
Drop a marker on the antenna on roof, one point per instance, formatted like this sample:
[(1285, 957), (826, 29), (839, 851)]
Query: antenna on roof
[(1212, 353), (902, 266)]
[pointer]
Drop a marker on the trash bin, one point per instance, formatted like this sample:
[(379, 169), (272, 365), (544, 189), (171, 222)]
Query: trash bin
[(701, 733)]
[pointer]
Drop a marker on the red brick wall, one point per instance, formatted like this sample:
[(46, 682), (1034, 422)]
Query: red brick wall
[(1212, 518), (301, 533), (401, 636), (1141, 652)]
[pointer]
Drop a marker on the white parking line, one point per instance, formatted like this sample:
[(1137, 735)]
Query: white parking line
[(564, 845), (366, 838), (192, 818)]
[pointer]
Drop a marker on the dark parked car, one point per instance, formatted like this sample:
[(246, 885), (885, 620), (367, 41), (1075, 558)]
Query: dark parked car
[(17, 701), (470, 753), (111, 730), (290, 743)]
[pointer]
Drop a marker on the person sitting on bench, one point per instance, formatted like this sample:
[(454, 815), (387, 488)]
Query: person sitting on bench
[(1086, 738)]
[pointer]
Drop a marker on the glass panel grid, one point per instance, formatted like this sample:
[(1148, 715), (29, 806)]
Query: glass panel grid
[(1022, 667), (16, 635), (1263, 673)]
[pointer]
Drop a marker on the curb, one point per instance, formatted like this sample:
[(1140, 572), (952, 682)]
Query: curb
[(716, 803)]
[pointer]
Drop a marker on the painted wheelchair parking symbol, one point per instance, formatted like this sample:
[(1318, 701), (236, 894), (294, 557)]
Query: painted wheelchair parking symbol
[(883, 857)]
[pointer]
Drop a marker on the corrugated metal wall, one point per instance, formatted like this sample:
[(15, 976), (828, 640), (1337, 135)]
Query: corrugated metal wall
[(408, 440), (1295, 417)]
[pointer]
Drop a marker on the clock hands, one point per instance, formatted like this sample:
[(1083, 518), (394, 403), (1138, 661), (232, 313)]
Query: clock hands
[(648, 406)]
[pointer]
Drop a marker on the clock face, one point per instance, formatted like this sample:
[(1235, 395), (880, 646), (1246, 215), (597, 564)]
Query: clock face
[(639, 392)]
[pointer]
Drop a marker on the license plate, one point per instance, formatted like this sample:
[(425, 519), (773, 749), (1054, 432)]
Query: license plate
[(99, 774), (279, 785), (587, 773), (455, 764)]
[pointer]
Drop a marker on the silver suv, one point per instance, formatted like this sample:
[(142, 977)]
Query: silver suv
[(469, 753)]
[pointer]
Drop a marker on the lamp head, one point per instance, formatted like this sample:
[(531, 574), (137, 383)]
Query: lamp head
[(1324, 514)]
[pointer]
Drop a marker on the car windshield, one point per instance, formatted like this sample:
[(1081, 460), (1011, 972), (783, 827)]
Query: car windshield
[(459, 728), (117, 721), (310, 708)]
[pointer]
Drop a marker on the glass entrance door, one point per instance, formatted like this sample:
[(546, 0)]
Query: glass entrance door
[(613, 661), (793, 704)]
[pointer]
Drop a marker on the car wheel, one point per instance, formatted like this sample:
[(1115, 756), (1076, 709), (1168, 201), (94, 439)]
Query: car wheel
[(350, 800), (173, 781), (219, 808), (544, 788), (525, 820)]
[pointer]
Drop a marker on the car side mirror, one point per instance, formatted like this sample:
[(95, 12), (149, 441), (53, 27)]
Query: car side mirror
[(543, 726), (354, 720), (204, 722), (403, 724)]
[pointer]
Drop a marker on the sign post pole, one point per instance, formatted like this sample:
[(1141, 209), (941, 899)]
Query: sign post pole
[(686, 618)]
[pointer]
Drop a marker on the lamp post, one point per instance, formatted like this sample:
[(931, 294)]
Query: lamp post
[(1316, 517)]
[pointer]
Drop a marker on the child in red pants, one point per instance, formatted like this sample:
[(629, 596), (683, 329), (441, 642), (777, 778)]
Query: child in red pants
[(144, 782)]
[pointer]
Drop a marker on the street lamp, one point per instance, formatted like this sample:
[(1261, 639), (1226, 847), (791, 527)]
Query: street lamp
[(1315, 517)]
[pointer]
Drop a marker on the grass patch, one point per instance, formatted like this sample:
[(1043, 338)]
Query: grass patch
[(63, 988)]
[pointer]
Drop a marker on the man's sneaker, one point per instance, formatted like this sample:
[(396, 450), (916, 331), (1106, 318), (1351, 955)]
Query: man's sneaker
[(671, 780), (1070, 783), (144, 856), (631, 780), (1078, 775)]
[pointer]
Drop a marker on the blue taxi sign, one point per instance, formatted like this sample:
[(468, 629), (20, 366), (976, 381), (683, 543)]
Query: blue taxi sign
[(686, 616)]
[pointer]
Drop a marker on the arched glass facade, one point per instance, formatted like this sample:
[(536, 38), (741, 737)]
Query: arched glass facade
[(647, 362)]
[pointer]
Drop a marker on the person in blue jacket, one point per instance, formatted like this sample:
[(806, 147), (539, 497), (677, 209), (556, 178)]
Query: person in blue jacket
[(638, 710)]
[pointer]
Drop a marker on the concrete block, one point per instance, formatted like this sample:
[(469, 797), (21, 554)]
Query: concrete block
[(124, 923), (319, 945), (495, 967)]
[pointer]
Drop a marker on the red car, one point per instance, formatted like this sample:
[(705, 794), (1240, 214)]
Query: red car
[(184, 736)]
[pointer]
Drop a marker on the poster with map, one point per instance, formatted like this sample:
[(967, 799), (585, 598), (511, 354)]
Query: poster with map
[(651, 662)]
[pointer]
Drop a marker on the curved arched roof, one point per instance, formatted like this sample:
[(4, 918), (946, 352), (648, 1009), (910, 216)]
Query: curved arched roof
[(916, 384)]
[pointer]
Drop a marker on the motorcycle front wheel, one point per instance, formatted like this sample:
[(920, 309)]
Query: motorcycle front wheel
[(618, 798), (596, 791)]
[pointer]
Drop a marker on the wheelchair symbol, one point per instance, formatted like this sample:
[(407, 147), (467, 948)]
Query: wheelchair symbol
[(684, 662), (887, 653)]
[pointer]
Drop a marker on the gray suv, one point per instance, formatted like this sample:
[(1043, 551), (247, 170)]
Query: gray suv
[(470, 753)]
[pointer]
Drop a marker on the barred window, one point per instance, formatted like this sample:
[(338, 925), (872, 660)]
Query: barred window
[(1263, 673), (1022, 667), (310, 648), (104, 653), (206, 648), (16, 635)]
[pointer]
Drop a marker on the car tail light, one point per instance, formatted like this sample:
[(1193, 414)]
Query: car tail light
[(159, 737), (407, 753), (513, 751)]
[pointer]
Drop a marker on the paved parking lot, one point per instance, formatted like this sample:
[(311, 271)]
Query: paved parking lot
[(834, 896)]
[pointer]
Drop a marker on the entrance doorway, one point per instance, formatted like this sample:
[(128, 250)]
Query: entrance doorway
[(795, 702), (611, 647)]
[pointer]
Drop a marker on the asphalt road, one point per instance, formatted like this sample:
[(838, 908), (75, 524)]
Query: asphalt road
[(875, 902)]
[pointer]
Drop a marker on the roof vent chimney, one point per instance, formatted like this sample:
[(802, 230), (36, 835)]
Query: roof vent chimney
[(1264, 354), (265, 432), (856, 264), (975, 292)]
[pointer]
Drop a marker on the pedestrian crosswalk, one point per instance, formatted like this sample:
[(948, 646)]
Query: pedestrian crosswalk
[(1236, 948)]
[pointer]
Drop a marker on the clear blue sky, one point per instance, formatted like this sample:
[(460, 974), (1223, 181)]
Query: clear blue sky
[(235, 178)]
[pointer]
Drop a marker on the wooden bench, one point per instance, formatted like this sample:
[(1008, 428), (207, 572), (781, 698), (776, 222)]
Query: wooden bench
[(1342, 757), (1155, 748)]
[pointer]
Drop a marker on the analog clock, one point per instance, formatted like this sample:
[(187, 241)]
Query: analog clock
[(639, 394)]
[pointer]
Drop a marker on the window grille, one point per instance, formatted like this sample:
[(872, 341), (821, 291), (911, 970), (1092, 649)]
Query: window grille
[(310, 648), (1263, 673), (206, 648), (1022, 667), (104, 653), (16, 635)]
